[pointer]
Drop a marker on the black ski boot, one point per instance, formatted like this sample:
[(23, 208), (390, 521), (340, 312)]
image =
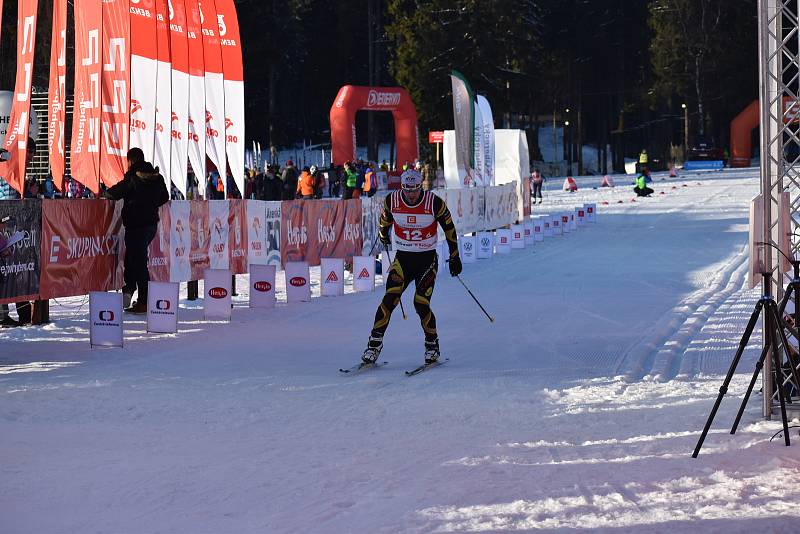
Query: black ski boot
[(373, 350), (431, 351)]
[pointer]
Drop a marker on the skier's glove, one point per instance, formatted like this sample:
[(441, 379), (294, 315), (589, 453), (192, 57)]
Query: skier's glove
[(455, 265)]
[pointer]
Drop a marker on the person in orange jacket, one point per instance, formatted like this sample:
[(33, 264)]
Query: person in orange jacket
[(305, 185)]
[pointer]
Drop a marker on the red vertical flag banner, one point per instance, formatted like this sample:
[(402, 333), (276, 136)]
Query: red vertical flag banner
[(161, 157), (179, 52), (215, 88), (57, 93), (85, 144), (144, 68), (115, 93), (13, 171), (197, 94), (233, 74)]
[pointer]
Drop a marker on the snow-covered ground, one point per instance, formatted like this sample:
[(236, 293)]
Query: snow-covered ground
[(577, 409)]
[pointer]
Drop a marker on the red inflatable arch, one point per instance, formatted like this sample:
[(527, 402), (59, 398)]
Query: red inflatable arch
[(745, 122), (352, 98)]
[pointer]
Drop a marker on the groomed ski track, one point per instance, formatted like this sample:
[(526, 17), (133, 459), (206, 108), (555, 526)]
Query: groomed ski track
[(577, 409)]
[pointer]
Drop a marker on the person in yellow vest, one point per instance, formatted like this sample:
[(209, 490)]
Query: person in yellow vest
[(641, 188), (643, 157)]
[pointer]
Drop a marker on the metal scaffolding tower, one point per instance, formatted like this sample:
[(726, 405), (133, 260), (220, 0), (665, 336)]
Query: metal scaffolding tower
[(779, 94)]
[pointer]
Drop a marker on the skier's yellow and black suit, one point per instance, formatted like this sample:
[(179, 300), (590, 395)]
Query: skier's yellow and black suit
[(410, 263)]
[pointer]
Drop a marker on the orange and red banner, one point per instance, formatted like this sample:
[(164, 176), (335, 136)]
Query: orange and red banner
[(197, 94), (317, 229), (215, 88), (233, 74), (179, 126), (82, 247), (115, 83), (85, 141), (13, 170), (144, 52), (57, 93)]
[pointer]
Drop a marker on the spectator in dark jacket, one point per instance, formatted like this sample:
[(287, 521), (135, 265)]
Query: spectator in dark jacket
[(144, 191), (289, 179)]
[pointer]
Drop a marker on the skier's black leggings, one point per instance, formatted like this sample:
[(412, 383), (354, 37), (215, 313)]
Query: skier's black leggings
[(420, 267), (537, 190)]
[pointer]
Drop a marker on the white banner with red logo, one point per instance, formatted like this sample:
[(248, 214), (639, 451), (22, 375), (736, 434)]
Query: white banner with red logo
[(179, 54), (218, 226), (591, 212), (163, 144), (262, 286), (217, 294), (144, 75), (115, 91), (85, 140), (363, 273), (162, 307), (331, 277), (105, 319), (57, 93), (233, 74), (503, 241), (215, 89), (180, 241), (517, 236), (13, 170), (257, 246), (528, 227), (197, 94), (298, 281)]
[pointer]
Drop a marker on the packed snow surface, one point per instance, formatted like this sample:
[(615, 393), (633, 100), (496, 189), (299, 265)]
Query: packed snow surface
[(577, 409)]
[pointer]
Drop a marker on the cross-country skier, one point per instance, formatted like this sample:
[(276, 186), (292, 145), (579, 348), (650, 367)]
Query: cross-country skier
[(413, 214)]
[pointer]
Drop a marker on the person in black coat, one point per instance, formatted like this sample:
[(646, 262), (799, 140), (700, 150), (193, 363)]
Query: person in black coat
[(144, 191)]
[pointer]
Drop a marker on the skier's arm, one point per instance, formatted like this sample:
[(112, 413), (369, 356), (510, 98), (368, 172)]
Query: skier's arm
[(445, 220), (386, 221)]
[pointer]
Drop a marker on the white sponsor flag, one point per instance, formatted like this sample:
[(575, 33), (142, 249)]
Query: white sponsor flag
[(215, 89), (144, 75), (179, 50), (233, 73), (197, 95), (163, 146), (487, 122), (479, 150)]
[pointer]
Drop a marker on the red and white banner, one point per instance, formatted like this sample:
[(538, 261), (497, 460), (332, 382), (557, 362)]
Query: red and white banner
[(82, 247), (180, 241), (218, 226), (179, 52), (13, 170), (237, 236), (161, 156), (215, 89), (233, 74), (257, 245), (158, 252), (115, 86), (85, 140), (198, 256), (57, 93), (197, 94), (144, 68)]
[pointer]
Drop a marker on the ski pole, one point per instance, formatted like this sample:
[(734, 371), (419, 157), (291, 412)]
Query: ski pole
[(491, 319), (403, 310)]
